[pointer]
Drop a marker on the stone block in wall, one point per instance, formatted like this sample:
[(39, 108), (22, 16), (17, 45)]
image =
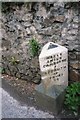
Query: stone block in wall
[(6, 44), (70, 38), (48, 21), (6, 68), (75, 65), (37, 25), (49, 31), (73, 32), (18, 75), (71, 46), (54, 38), (13, 69), (57, 9), (78, 56), (35, 62), (72, 56), (77, 48), (74, 75), (75, 26), (7, 71), (27, 17), (28, 32), (59, 18), (76, 19), (25, 77), (26, 24)]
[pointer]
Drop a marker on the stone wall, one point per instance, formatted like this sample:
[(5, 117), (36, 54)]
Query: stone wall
[(56, 22)]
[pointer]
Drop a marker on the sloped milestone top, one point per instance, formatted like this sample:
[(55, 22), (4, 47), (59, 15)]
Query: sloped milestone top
[(51, 48)]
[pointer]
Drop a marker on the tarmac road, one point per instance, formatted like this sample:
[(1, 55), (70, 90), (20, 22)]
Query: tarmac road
[(13, 108)]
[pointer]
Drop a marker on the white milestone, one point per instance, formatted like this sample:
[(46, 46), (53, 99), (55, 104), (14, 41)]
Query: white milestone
[(53, 61)]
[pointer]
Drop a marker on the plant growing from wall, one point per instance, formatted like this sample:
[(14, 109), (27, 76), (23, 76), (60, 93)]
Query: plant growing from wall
[(72, 97), (14, 61), (2, 70), (34, 47)]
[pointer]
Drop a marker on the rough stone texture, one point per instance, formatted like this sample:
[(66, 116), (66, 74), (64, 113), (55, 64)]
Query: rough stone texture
[(74, 75), (56, 22), (52, 99)]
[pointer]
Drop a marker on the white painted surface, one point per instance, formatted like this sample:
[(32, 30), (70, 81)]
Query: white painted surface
[(54, 65)]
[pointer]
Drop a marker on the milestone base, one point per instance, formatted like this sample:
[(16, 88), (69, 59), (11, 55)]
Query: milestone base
[(51, 99)]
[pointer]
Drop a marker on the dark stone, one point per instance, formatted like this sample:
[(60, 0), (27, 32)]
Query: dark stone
[(6, 43), (78, 56), (77, 49), (51, 99), (51, 46), (36, 80), (75, 65), (18, 75), (72, 56), (48, 22), (74, 75)]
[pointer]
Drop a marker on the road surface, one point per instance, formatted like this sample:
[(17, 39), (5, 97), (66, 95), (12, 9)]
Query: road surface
[(12, 108)]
